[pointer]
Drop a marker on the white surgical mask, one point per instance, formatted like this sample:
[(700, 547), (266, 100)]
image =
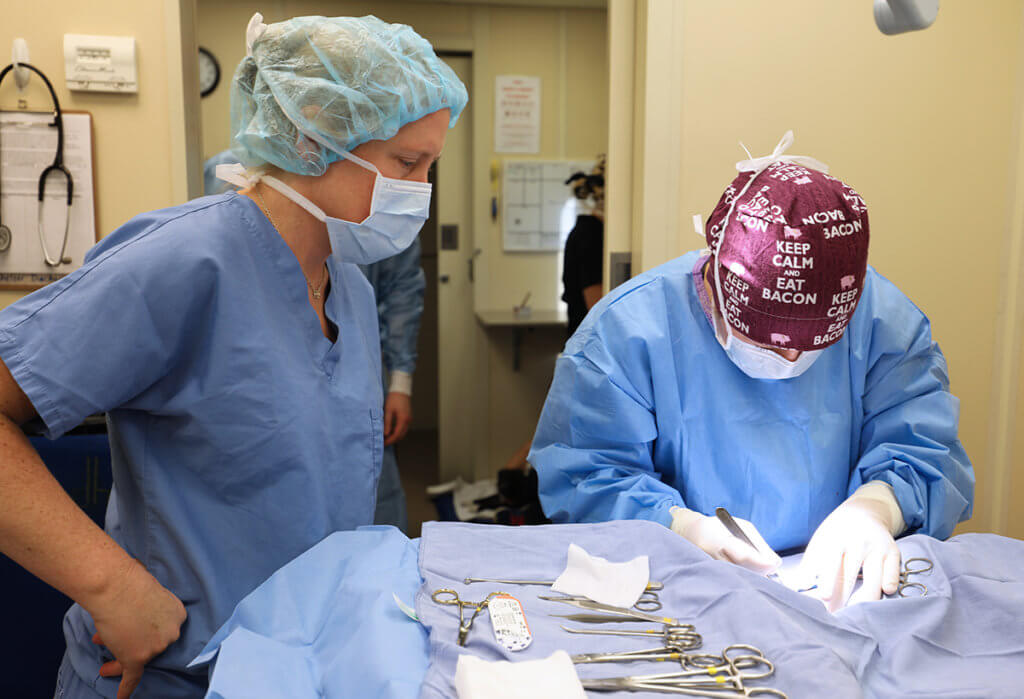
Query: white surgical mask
[(760, 363), (398, 210)]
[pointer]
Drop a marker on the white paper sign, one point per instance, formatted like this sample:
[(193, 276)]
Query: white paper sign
[(517, 114)]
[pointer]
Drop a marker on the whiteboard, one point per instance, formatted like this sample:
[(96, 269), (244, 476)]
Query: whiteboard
[(27, 147), (539, 208)]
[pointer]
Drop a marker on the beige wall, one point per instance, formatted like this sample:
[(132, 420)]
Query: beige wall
[(568, 50), (1015, 518), (924, 125), (138, 148)]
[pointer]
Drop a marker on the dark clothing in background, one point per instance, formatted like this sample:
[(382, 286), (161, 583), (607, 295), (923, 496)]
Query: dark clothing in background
[(584, 264)]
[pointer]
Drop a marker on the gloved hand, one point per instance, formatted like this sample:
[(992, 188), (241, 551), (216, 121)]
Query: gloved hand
[(859, 534), (711, 535)]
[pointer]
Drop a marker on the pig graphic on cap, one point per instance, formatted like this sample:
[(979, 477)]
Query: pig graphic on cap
[(847, 282), (780, 339), (792, 232)]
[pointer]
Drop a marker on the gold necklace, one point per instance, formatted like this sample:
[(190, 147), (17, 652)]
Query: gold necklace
[(317, 290)]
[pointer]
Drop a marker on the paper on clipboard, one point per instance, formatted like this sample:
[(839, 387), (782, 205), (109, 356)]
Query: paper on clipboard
[(28, 143)]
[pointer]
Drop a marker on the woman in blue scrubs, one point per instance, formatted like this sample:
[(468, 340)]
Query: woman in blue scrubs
[(233, 344), (815, 406)]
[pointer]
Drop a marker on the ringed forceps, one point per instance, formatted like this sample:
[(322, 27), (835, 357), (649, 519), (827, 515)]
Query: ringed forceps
[(726, 679), (447, 596), (682, 637), (700, 661), (648, 601), (904, 581)]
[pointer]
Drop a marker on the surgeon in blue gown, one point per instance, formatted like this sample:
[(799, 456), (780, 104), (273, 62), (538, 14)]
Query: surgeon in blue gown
[(233, 344), (398, 284), (816, 409)]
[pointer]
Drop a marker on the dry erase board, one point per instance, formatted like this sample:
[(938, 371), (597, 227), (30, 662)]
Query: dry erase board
[(28, 141), (539, 208)]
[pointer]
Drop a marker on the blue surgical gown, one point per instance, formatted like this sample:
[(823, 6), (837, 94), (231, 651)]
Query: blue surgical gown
[(647, 412), (240, 436), (398, 284)]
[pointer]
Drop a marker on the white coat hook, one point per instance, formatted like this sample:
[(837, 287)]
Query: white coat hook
[(19, 54)]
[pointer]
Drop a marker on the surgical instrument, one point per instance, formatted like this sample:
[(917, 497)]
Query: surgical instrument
[(590, 605), (684, 637), (648, 601), (908, 570), (650, 655), (904, 581), (753, 657), (651, 586), (728, 679), (448, 596)]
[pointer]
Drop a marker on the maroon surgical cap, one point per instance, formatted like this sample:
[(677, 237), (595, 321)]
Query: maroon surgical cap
[(793, 259)]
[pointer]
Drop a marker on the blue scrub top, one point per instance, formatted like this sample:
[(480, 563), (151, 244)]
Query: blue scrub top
[(240, 435), (646, 412)]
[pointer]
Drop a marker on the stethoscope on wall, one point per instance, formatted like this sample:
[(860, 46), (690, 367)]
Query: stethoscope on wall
[(57, 166)]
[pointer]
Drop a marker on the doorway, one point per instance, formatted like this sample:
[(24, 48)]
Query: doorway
[(443, 388)]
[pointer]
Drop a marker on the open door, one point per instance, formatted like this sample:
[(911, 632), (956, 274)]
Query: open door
[(457, 328)]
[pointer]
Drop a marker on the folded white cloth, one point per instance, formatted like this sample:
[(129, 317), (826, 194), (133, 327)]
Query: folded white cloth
[(617, 584), (554, 676)]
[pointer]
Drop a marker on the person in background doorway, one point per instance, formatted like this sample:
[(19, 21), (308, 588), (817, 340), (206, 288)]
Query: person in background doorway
[(582, 272), (774, 374), (398, 285), (582, 268)]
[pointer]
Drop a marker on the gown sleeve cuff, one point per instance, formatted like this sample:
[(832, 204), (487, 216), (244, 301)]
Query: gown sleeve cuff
[(401, 382), (883, 493)]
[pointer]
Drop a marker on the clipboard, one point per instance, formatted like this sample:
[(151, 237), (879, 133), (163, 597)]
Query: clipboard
[(27, 144)]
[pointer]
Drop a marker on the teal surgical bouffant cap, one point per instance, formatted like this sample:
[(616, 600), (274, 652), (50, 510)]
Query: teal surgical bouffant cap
[(313, 86)]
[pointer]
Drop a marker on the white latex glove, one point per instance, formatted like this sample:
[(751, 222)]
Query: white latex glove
[(711, 535), (859, 534)]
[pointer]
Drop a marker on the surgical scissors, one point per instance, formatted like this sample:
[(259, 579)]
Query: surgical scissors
[(447, 596), (648, 601), (591, 605), (909, 570), (680, 638), (728, 678)]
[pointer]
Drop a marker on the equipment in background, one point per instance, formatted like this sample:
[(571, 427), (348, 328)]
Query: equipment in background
[(512, 500), (56, 166), (899, 16)]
